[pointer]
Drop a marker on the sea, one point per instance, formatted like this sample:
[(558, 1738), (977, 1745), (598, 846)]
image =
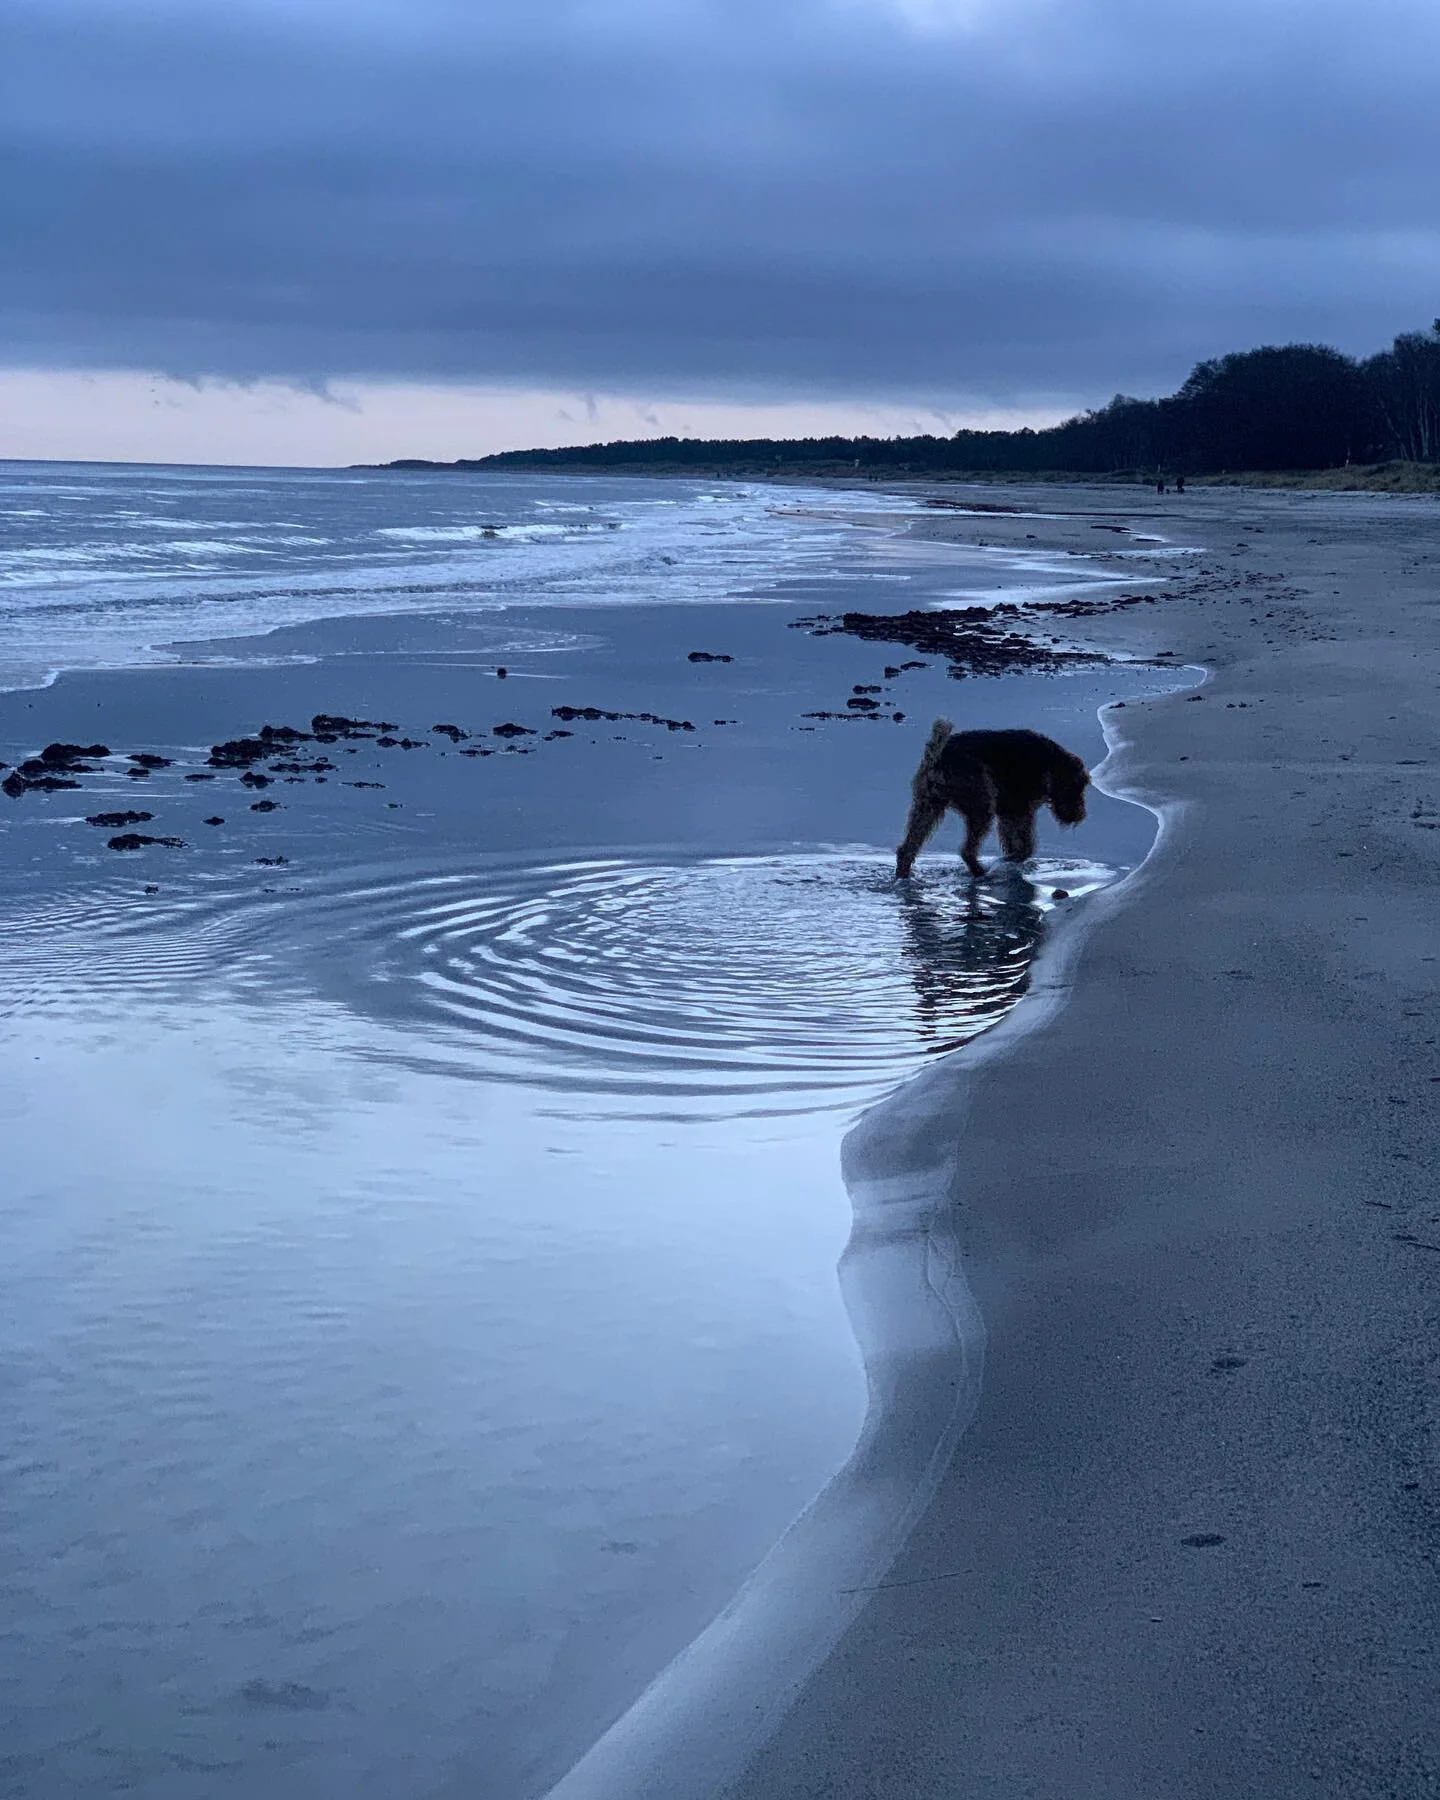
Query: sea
[(111, 566), (422, 1191)]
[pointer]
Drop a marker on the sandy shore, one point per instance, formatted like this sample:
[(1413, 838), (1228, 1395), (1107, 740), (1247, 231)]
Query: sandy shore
[(1187, 1545)]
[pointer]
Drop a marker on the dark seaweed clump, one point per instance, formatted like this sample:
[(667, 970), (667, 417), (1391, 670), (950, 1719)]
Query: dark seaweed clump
[(967, 638), (975, 640), (137, 840), (54, 768)]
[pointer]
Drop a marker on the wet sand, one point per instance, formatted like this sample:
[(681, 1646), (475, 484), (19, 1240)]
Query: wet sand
[(1187, 1546)]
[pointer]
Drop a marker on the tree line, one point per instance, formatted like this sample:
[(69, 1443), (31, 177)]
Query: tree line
[(1281, 407)]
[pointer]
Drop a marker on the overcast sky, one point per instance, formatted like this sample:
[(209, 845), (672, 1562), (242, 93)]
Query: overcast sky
[(476, 222)]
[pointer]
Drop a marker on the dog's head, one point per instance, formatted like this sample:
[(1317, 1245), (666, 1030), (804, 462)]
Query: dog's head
[(1069, 779)]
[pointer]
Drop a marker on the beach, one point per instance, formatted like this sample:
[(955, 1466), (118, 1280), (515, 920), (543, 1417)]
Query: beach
[(719, 852), (426, 1190)]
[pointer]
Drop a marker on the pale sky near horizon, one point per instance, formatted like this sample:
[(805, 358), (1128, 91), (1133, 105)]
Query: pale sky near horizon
[(314, 233), (118, 416)]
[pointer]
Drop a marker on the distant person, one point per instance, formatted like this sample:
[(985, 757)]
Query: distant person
[(1179, 484), (1160, 486)]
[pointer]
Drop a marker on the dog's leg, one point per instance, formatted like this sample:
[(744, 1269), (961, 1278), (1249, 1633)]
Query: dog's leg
[(926, 812), (1017, 836), (978, 820), (928, 798)]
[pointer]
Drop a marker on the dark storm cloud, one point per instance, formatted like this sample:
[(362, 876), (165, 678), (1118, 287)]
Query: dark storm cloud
[(941, 199)]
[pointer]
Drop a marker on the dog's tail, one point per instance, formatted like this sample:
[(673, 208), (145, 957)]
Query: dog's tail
[(940, 734), (927, 806)]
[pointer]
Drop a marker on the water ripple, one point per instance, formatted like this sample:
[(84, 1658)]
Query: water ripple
[(772, 984)]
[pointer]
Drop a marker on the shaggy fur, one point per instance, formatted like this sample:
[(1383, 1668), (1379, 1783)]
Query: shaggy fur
[(989, 778)]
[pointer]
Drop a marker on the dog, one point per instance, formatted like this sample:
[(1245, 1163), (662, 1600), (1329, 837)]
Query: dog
[(991, 777)]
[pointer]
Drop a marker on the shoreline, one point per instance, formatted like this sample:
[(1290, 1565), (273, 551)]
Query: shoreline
[(692, 1733), (1035, 1633), (1397, 478)]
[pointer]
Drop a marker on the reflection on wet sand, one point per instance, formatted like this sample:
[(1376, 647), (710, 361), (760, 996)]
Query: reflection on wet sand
[(968, 955)]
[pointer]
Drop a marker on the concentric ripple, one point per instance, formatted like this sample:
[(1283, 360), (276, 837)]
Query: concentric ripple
[(769, 984)]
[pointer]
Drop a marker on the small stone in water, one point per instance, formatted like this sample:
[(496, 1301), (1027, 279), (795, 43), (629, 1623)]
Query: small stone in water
[(284, 1696)]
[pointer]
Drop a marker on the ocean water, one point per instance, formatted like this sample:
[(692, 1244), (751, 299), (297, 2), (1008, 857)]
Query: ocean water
[(109, 566), (423, 1196)]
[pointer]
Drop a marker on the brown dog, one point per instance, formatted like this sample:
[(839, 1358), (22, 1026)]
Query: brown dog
[(990, 776)]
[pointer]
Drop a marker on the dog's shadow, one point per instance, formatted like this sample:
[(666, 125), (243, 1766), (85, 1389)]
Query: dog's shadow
[(968, 949)]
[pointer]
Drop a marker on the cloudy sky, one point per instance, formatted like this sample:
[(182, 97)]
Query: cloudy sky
[(325, 230)]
